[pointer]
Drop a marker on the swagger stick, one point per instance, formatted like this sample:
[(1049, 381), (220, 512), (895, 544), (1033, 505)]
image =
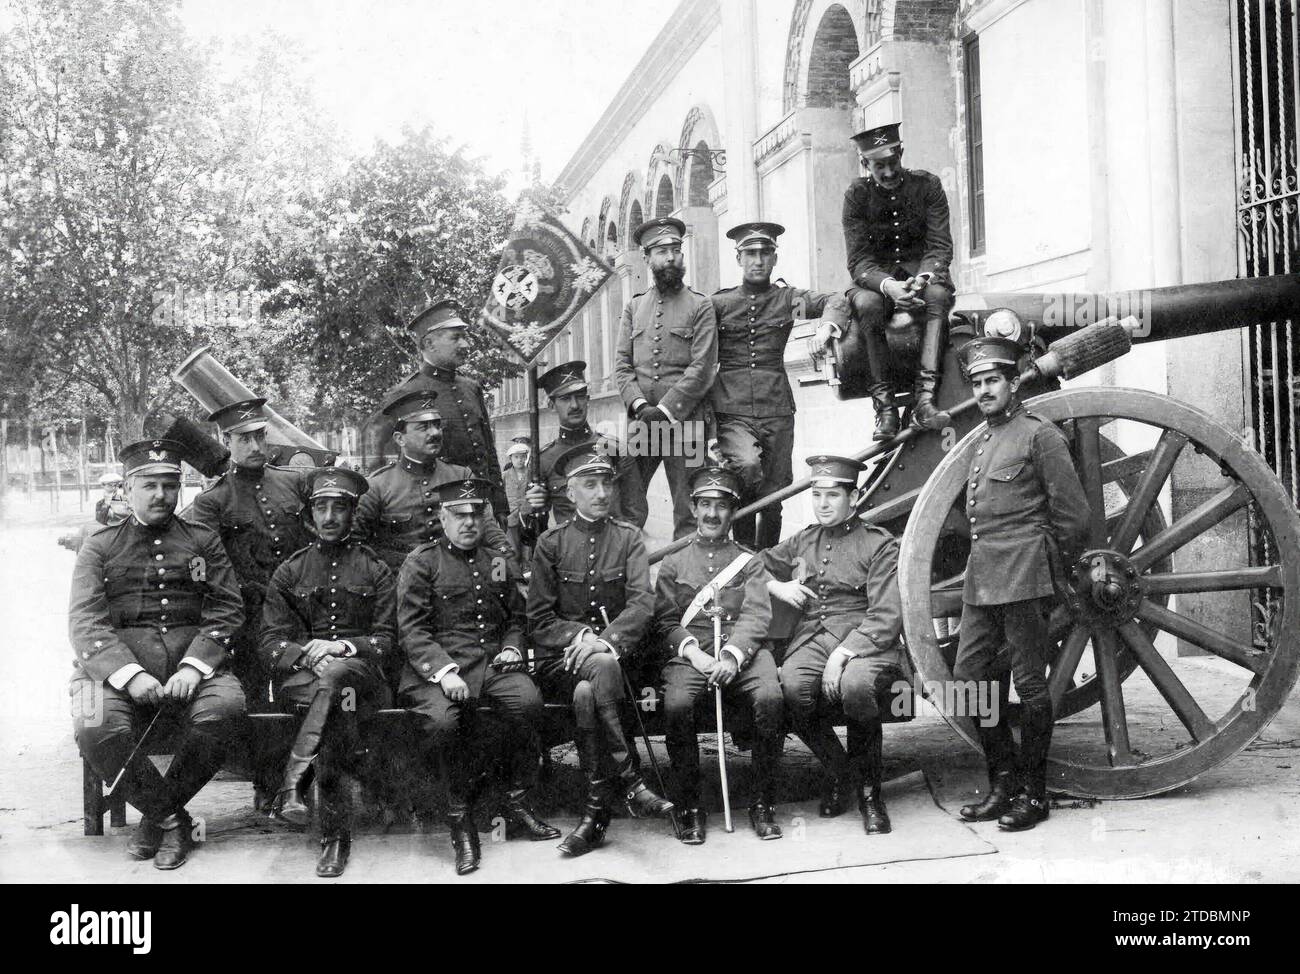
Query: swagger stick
[(716, 612), (134, 751), (654, 761)]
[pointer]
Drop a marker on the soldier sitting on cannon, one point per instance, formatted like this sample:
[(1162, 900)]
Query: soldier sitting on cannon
[(844, 654), (899, 248)]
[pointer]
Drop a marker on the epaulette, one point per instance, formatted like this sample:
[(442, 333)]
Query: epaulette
[(368, 550), (638, 294), (216, 483), (726, 290), (780, 282), (624, 524), (108, 527), (387, 466)]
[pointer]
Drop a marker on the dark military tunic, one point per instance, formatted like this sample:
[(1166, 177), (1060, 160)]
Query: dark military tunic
[(753, 328), (629, 501), (745, 602), (582, 566), (1026, 509), (667, 351), (336, 592), (466, 427), (900, 229), (400, 510), (147, 597)]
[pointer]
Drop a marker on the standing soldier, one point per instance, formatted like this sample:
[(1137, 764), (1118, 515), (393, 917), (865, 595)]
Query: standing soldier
[(899, 246), (844, 653), (400, 510), (440, 334), (566, 387), (665, 362), (256, 508), (1028, 519), (752, 402), (461, 618), (744, 670), (590, 604), (329, 621), (153, 609)]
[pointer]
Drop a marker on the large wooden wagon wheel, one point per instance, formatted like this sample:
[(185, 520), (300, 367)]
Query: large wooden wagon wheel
[(1118, 593)]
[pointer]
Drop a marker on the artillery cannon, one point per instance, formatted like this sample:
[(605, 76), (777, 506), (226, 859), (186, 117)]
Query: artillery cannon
[(1127, 444)]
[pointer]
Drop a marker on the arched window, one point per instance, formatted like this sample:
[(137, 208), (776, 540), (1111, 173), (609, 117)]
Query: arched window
[(664, 197), (699, 174), (611, 241), (634, 220), (834, 48)]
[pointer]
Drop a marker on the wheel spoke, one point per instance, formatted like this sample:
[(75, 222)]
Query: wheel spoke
[(1113, 718), (1223, 504), (1067, 661), (1243, 654), (1088, 436), (1225, 580), (1171, 688), (1125, 467), (1148, 488)]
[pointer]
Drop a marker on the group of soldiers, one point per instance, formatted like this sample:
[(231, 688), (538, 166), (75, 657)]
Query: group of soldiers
[(347, 592)]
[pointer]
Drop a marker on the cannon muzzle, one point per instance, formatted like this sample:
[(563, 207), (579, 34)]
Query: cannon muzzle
[(213, 386), (1159, 313)]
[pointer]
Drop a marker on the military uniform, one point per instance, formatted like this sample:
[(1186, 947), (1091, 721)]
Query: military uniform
[(896, 234), (857, 612), (149, 598), (467, 428), (752, 401), (1028, 519), (629, 491), (666, 357), (746, 615), (584, 572)]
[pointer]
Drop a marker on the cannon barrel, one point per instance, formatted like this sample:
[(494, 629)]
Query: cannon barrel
[(1162, 313), (213, 386)]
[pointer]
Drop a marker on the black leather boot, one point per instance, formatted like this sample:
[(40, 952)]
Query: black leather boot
[(145, 840), (464, 842), (1026, 811), (290, 804), (334, 852), (835, 798), (176, 844), (762, 817), (694, 825), (925, 386), (591, 828), (996, 803), (881, 389), (641, 802), (875, 819), (522, 820)]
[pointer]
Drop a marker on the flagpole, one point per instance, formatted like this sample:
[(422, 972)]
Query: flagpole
[(539, 518)]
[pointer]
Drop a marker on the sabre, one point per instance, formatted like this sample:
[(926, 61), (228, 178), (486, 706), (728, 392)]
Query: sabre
[(134, 751), (716, 612), (654, 761)]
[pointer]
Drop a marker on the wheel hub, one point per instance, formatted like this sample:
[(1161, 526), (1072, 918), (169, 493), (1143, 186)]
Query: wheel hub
[(1105, 588)]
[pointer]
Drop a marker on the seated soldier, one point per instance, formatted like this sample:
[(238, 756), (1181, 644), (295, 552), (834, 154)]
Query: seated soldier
[(461, 616), (844, 653), (154, 606), (590, 604), (327, 624), (743, 670)]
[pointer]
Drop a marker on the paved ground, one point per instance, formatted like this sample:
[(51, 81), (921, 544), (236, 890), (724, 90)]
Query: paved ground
[(1236, 823)]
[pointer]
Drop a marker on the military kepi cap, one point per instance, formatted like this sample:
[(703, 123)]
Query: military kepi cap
[(411, 405), (151, 456), (564, 379), (652, 233), (241, 417), (584, 459), (337, 482), (981, 354), (829, 471), (879, 142), (471, 492), (442, 313), (714, 482), (755, 234)]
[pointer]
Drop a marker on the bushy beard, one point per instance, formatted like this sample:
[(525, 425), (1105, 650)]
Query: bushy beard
[(668, 278)]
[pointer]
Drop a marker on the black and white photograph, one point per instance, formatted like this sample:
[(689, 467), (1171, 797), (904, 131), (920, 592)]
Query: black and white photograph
[(767, 442)]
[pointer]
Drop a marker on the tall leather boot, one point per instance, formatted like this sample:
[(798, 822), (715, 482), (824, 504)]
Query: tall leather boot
[(522, 820), (925, 386), (590, 831), (641, 802), (464, 839), (996, 803), (762, 811), (820, 738), (1000, 755), (1030, 806), (866, 752), (335, 824), (881, 389), (289, 805)]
